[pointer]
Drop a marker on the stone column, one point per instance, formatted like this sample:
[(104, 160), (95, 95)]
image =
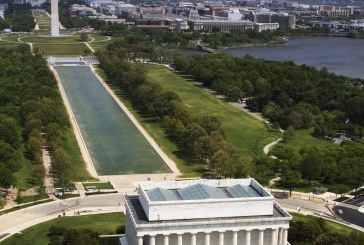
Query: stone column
[(261, 237), (274, 237), (151, 240), (207, 238), (140, 240), (179, 239), (193, 238), (235, 238), (284, 237), (280, 231), (166, 239), (221, 238), (247, 237)]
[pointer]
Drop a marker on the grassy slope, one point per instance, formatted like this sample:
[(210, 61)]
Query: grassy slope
[(101, 223), (78, 165), (246, 133), (303, 138)]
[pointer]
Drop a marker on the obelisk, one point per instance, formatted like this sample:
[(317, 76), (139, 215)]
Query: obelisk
[(54, 18)]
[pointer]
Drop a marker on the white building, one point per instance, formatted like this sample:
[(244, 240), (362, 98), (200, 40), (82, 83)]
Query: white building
[(204, 212)]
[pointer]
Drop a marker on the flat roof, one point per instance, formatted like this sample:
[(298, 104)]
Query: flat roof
[(201, 191), (140, 217)]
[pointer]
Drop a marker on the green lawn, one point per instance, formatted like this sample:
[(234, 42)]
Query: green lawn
[(101, 42), (99, 185), (78, 165), (37, 235), (49, 40), (244, 132), (60, 49), (304, 138), (330, 225)]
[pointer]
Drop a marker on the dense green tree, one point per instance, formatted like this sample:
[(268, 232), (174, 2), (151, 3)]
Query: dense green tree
[(311, 164), (60, 167)]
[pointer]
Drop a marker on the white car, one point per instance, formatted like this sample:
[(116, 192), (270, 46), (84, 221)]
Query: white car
[(340, 211)]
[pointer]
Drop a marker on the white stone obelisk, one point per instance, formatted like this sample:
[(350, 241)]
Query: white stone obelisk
[(54, 18)]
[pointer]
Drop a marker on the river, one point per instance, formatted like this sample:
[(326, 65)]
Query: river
[(343, 56)]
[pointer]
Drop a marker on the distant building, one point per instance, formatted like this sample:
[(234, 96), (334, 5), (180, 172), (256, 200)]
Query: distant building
[(204, 212), (283, 19), (33, 3)]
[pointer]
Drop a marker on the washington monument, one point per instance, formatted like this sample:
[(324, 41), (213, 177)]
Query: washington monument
[(54, 18)]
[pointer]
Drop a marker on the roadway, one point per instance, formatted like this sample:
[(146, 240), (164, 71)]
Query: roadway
[(17, 221), (350, 215)]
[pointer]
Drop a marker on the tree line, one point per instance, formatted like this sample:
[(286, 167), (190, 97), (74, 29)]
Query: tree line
[(31, 113), (292, 97), (201, 139), (287, 94), (19, 18)]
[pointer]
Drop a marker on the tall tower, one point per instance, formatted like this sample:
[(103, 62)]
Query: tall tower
[(54, 18)]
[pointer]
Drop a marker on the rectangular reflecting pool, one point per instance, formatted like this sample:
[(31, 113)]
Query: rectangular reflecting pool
[(115, 145)]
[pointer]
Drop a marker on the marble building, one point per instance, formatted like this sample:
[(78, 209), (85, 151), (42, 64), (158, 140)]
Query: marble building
[(204, 212)]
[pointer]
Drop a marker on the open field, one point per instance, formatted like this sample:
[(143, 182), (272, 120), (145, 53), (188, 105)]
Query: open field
[(42, 19), (330, 225), (101, 223), (245, 133), (100, 43), (52, 40), (60, 49), (303, 138), (98, 185)]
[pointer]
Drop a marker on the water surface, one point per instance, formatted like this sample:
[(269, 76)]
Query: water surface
[(343, 56), (115, 145)]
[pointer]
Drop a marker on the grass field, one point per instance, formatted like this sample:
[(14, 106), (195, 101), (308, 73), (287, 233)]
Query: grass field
[(244, 132), (102, 223), (330, 225), (52, 40), (101, 42), (78, 165), (99, 185), (60, 49), (304, 138), (24, 175)]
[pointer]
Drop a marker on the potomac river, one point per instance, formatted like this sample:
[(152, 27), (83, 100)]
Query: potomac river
[(343, 56)]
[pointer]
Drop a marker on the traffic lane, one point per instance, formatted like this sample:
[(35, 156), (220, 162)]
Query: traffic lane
[(298, 203), (350, 215), (356, 201), (21, 216)]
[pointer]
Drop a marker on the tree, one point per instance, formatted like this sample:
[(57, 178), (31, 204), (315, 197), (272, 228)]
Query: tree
[(83, 37), (10, 131), (210, 124), (288, 135), (6, 177), (311, 164), (60, 167), (290, 178), (38, 172)]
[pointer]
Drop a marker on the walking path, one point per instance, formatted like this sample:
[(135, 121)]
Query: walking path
[(48, 180)]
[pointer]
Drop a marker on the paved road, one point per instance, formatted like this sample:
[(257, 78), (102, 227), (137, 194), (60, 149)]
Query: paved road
[(321, 210), (350, 215), (16, 221), (356, 201)]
